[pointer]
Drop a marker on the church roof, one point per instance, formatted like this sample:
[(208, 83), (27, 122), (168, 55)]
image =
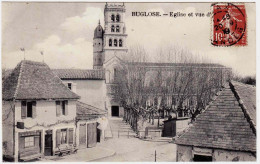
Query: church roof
[(153, 64), (80, 74), (227, 123), (98, 33), (33, 81)]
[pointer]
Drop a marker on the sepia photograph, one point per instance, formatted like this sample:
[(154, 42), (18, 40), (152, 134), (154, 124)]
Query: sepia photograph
[(128, 81)]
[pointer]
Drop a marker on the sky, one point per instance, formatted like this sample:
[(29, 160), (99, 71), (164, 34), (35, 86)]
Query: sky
[(64, 32)]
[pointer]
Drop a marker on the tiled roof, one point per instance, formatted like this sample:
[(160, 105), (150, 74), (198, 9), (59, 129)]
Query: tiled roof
[(152, 64), (86, 112), (82, 74), (32, 81), (247, 93), (223, 124)]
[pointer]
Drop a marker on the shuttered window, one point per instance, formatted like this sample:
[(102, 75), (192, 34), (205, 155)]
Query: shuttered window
[(62, 108), (71, 136), (57, 137), (58, 108), (23, 109), (66, 107), (28, 109)]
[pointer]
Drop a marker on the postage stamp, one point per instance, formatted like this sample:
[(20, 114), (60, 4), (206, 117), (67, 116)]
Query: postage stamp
[(229, 25)]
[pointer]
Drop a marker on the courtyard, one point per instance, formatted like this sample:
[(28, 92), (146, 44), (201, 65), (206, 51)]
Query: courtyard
[(124, 148)]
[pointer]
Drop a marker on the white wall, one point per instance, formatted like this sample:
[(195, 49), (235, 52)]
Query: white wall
[(45, 113), (91, 92)]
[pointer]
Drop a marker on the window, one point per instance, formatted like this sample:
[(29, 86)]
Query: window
[(117, 28), (63, 107), (110, 42), (63, 136), (28, 109), (112, 17), (120, 43), (70, 86), (112, 28), (29, 141), (118, 18), (115, 42)]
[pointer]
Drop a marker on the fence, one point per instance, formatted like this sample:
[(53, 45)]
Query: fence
[(130, 133)]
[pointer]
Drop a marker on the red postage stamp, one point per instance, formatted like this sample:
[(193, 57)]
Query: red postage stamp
[(229, 25)]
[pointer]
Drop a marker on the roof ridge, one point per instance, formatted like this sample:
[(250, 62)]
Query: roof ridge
[(18, 80), (243, 107)]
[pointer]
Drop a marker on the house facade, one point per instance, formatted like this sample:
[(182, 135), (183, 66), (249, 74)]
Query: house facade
[(39, 113), (225, 131)]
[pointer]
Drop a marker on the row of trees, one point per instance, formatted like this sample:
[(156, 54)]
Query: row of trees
[(148, 90)]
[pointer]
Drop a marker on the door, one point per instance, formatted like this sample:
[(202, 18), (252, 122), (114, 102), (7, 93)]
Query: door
[(48, 143), (115, 111), (92, 135), (82, 135)]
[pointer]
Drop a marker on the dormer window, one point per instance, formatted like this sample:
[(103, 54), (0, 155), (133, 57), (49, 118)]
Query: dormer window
[(70, 86)]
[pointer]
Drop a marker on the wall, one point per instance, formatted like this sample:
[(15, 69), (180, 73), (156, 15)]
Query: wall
[(46, 119), (185, 154), (182, 124), (45, 109), (91, 92), (224, 155), (7, 127)]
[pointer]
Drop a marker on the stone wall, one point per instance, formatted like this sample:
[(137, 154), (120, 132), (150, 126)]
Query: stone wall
[(186, 153)]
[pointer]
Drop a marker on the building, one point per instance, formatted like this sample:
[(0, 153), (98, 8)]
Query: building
[(88, 84), (110, 50), (39, 112), (91, 123), (225, 131)]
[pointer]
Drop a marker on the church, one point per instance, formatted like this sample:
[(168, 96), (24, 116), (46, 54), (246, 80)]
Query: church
[(110, 50)]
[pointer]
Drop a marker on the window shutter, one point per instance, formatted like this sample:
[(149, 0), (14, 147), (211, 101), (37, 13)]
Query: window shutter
[(66, 108), (34, 109), (58, 108), (23, 109), (21, 144), (37, 141), (57, 137), (71, 136)]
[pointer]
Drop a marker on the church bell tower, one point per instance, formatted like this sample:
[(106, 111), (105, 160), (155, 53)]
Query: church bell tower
[(98, 56), (115, 31)]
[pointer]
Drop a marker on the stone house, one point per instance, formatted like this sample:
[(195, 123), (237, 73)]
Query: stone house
[(225, 131), (38, 112), (88, 84)]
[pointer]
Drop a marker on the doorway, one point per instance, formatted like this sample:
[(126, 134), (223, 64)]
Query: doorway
[(82, 135), (92, 135), (115, 111), (48, 143)]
